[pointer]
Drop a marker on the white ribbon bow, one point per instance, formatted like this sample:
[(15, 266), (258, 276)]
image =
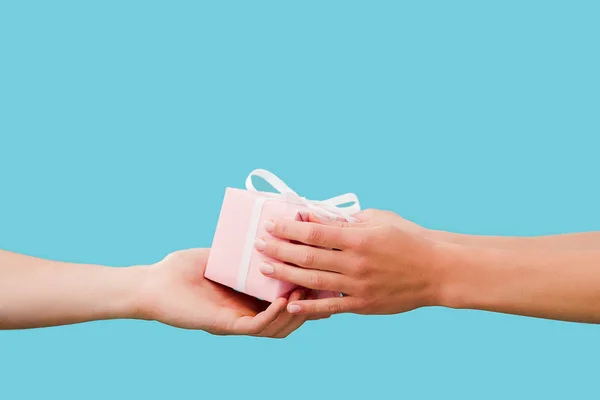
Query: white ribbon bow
[(330, 208)]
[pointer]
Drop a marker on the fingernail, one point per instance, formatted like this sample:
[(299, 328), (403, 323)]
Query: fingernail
[(294, 308), (269, 226), (266, 268), (303, 215), (260, 244)]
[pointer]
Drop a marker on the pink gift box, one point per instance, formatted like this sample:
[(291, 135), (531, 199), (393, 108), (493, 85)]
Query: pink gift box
[(233, 259)]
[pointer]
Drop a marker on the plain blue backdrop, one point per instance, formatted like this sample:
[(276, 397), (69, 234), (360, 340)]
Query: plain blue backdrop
[(122, 122)]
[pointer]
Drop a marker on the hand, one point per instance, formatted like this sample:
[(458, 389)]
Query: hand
[(176, 293), (386, 218), (378, 266)]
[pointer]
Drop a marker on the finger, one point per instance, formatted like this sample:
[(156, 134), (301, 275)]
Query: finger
[(314, 295), (338, 222), (309, 278), (295, 323), (300, 319), (317, 317), (253, 325), (308, 233), (364, 216), (285, 318), (303, 256), (335, 305)]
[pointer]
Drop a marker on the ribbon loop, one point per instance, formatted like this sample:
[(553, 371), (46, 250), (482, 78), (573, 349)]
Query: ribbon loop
[(331, 207), (347, 198), (270, 178)]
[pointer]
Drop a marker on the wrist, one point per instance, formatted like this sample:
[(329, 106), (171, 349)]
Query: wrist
[(129, 305), (455, 273)]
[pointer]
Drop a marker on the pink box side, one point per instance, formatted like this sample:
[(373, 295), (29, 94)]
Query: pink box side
[(230, 240), (230, 236)]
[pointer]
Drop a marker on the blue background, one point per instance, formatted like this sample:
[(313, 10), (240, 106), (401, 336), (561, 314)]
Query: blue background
[(121, 123)]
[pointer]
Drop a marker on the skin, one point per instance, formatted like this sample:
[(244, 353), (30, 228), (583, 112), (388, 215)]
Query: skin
[(385, 264), (39, 293)]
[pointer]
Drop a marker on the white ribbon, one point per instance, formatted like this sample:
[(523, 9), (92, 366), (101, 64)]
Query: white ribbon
[(330, 208)]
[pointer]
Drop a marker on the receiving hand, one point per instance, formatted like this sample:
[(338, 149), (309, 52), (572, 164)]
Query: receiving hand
[(176, 293), (380, 266)]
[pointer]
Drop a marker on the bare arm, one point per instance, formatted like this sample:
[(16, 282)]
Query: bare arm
[(562, 285), (36, 292), (569, 241)]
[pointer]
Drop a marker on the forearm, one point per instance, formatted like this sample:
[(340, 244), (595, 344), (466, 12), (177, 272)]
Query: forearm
[(37, 293), (571, 241), (562, 285)]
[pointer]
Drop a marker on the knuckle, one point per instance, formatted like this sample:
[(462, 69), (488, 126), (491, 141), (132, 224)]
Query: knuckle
[(272, 249), (361, 267), (315, 235), (334, 308), (316, 281), (309, 258), (314, 308), (363, 242), (282, 229), (365, 290)]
